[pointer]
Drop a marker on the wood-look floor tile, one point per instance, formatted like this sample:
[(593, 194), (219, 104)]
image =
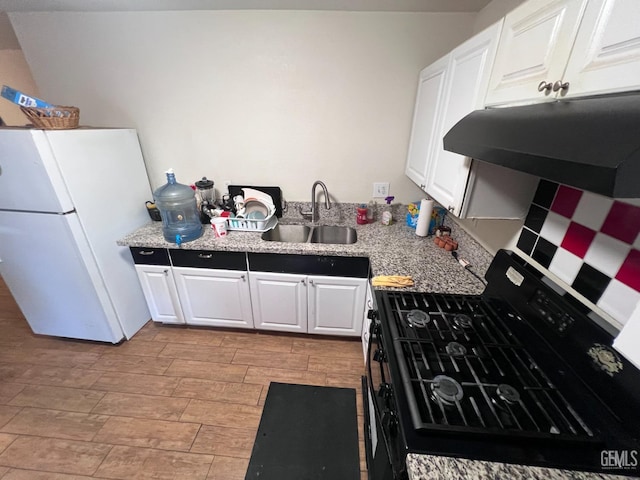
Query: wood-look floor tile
[(335, 365), (148, 332), (138, 432), (5, 440), (48, 357), (10, 371), (63, 377), (345, 380), (292, 361), (135, 346), (219, 391), (55, 423), (263, 395), (132, 364), (136, 383), (225, 441), (133, 463), (58, 398), (210, 371), (195, 336), (222, 414), (9, 390), (143, 406), (228, 468), (264, 376), (256, 342), (7, 413), (67, 344), (16, 474), (202, 353), (54, 455), (323, 347)]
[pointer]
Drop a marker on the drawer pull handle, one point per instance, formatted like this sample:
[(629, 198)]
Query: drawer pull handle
[(147, 252), (303, 282), (205, 255), (544, 86), (559, 85), (242, 277), (310, 282)]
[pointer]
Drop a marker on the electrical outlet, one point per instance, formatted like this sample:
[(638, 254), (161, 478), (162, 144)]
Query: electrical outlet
[(380, 189)]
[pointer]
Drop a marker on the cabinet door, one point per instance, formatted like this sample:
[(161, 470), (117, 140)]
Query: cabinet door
[(606, 54), (534, 47), (425, 120), (160, 292), (279, 301), (214, 297), (466, 86), (335, 305)]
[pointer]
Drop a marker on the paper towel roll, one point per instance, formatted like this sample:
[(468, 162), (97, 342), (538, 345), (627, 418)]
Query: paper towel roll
[(424, 217)]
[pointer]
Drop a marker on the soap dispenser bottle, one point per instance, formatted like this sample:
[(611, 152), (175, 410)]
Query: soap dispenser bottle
[(387, 217)]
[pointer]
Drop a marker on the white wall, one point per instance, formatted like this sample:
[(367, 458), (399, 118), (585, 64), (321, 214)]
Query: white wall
[(15, 72), (260, 97), (493, 12)]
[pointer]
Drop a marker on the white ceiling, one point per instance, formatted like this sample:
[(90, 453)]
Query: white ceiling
[(146, 5)]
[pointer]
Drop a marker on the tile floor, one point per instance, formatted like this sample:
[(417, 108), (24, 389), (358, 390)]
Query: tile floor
[(172, 403)]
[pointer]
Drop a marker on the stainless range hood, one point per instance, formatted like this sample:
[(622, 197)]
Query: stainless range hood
[(590, 143)]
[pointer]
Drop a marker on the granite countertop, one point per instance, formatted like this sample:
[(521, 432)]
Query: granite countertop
[(431, 467), (392, 250)]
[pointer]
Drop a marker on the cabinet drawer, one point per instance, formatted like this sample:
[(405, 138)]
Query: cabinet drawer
[(209, 259), (149, 256), (333, 266)]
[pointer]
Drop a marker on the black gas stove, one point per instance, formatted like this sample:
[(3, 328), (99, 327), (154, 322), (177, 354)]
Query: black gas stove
[(520, 374)]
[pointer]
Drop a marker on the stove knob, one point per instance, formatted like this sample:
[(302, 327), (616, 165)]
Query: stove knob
[(379, 355), (390, 422)]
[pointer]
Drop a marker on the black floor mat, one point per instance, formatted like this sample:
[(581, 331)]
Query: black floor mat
[(306, 433)]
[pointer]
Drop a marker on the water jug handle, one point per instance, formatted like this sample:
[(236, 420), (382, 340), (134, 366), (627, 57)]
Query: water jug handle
[(178, 239)]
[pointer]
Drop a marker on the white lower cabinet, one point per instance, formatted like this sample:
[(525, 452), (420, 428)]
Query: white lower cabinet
[(200, 287), (335, 305), (160, 293), (279, 301), (307, 303), (214, 297)]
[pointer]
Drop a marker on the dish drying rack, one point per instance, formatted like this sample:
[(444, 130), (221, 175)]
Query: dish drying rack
[(252, 225)]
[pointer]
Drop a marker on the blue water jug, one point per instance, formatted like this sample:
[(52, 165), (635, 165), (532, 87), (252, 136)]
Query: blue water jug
[(178, 209)]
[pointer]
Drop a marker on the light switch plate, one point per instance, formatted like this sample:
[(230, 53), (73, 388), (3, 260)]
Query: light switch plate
[(380, 189)]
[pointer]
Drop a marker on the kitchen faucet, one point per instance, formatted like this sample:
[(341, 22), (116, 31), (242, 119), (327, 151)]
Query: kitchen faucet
[(313, 213)]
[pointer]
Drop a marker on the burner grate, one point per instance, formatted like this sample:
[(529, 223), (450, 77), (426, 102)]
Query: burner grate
[(469, 345)]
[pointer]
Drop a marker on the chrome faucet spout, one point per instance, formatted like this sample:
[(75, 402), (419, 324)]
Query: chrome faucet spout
[(313, 213)]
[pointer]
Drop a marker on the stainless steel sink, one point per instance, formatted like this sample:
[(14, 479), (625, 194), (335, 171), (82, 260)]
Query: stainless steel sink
[(305, 234), (334, 235), (287, 233)]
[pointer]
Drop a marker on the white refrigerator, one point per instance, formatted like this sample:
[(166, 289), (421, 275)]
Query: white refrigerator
[(66, 197)]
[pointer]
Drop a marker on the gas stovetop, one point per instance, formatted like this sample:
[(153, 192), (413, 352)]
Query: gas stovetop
[(520, 374), (464, 370)]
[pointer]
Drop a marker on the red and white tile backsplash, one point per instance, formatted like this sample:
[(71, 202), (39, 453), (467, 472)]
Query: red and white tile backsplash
[(590, 242)]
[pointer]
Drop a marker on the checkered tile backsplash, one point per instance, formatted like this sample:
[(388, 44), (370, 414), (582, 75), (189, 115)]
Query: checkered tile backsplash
[(589, 241)]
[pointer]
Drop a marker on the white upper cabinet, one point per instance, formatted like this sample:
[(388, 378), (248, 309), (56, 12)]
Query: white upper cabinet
[(450, 89), (467, 77), (535, 44), (425, 120), (606, 54)]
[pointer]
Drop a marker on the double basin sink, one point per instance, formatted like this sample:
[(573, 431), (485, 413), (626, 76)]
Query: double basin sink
[(315, 234)]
